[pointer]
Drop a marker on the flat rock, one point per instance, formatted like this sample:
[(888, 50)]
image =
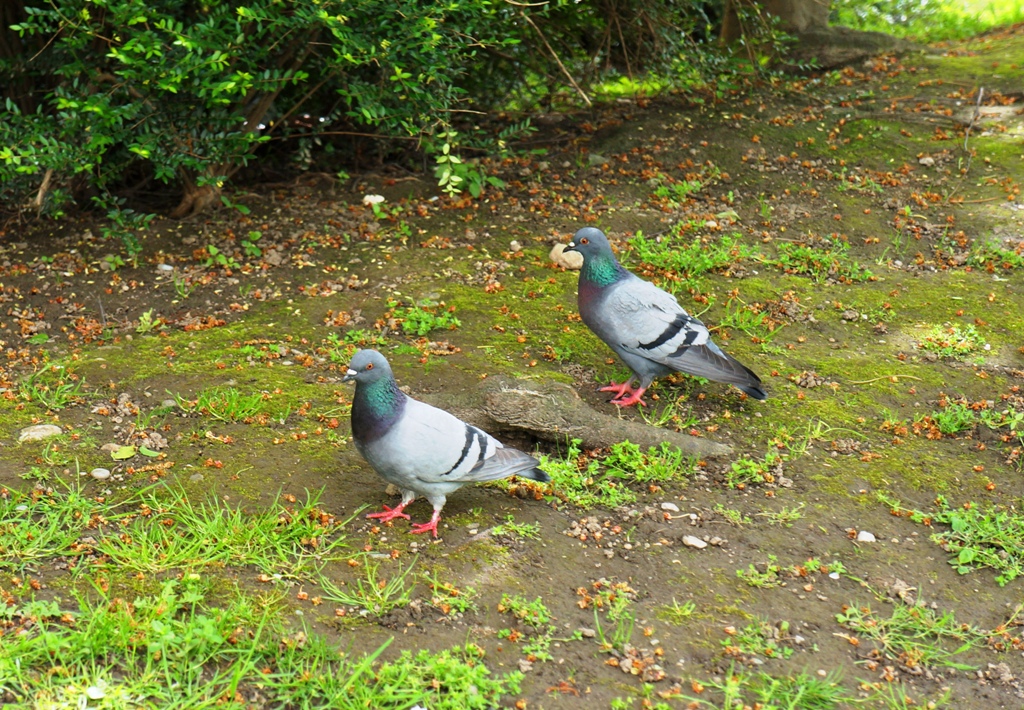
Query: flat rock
[(572, 260), (38, 432), (692, 541), (865, 536), (554, 411)]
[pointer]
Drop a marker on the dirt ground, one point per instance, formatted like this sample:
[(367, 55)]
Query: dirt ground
[(891, 167)]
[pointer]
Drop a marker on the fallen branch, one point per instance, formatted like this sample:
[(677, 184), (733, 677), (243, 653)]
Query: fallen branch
[(884, 377)]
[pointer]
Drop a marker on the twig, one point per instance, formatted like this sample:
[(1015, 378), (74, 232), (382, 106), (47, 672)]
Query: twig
[(38, 201), (555, 55), (975, 117), (884, 377)]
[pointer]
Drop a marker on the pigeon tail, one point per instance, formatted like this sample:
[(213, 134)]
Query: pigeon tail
[(535, 474), (755, 391)]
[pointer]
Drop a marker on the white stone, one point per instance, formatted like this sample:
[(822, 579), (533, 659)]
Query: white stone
[(572, 260), (927, 161), (372, 199), (39, 432), (672, 507), (100, 474), (865, 536), (691, 541)]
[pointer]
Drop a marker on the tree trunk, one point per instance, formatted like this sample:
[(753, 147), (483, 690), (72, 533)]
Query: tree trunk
[(807, 20), (195, 198)]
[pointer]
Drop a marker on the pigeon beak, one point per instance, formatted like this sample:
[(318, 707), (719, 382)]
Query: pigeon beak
[(571, 246), (350, 374)]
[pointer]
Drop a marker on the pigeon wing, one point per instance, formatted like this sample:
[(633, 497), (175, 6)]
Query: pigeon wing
[(650, 323)]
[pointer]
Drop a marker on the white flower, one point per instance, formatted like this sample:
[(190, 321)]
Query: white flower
[(372, 199)]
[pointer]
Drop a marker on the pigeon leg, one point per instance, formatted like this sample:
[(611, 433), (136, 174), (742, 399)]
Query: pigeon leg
[(631, 399), (396, 512), (621, 389), (390, 513), (431, 527)]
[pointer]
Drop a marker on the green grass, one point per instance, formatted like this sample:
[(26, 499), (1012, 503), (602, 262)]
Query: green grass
[(228, 404), (172, 533), (521, 531), (53, 386), (914, 635), (179, 649), (758, 638), (976, 537), (929, 21), (746, 470), (676, 613), (37, 526), (792, 692), (534, 613), (374, 593)]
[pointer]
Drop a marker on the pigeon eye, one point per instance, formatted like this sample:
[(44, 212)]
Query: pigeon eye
[(584, 241), (369, 366)]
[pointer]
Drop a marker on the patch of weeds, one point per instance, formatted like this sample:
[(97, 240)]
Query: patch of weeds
[(178, 648), (174, 533), (449, 599), (688, 262), (521, 531), (829, 263), (993, 257), (676, 613), (581, 482), (533, 613), (913, 635), (228, 404), (665, 463), (362, 338), (791, 692), (952, 341), (424, 317), (758, 638), (53, 386), (736, 517), (784, 517), (976, 538), (746, 470), (954, 418), (215, 257), (147, 324), (771, 574), (895, 696), (541, 635), (372, 592), (750, 319)]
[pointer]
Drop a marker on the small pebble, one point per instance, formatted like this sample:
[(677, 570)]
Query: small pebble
[(167, 268), (100, 474), (39, 432), (670, 507), (865, 536), (691, 541)]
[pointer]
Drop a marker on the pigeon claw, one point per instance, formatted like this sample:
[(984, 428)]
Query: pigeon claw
[(621, 389), (633, 398), (389, 514), (430, 527)]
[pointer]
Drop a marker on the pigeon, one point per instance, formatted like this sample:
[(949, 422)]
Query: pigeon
[(423, 450), (646, 326)]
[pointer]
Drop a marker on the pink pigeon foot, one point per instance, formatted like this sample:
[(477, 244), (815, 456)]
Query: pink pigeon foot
[(633, 398), (389, 513), (418, 528), (620, 389)]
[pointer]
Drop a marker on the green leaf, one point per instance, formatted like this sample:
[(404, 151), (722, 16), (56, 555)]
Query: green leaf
[(146, 451), (125, 452)]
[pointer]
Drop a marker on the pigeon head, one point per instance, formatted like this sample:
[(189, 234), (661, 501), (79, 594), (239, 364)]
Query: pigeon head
[(590, 243), (367, 366), (600, 267)]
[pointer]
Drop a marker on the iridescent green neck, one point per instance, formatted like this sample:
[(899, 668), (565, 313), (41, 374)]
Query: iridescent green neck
[(601, 270), (381, 396)]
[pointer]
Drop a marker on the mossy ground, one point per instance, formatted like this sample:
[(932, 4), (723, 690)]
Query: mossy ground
[(839, 357)]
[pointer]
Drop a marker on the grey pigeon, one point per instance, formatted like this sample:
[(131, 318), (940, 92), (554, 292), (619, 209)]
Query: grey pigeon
[(423, 450), (646, 327)]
